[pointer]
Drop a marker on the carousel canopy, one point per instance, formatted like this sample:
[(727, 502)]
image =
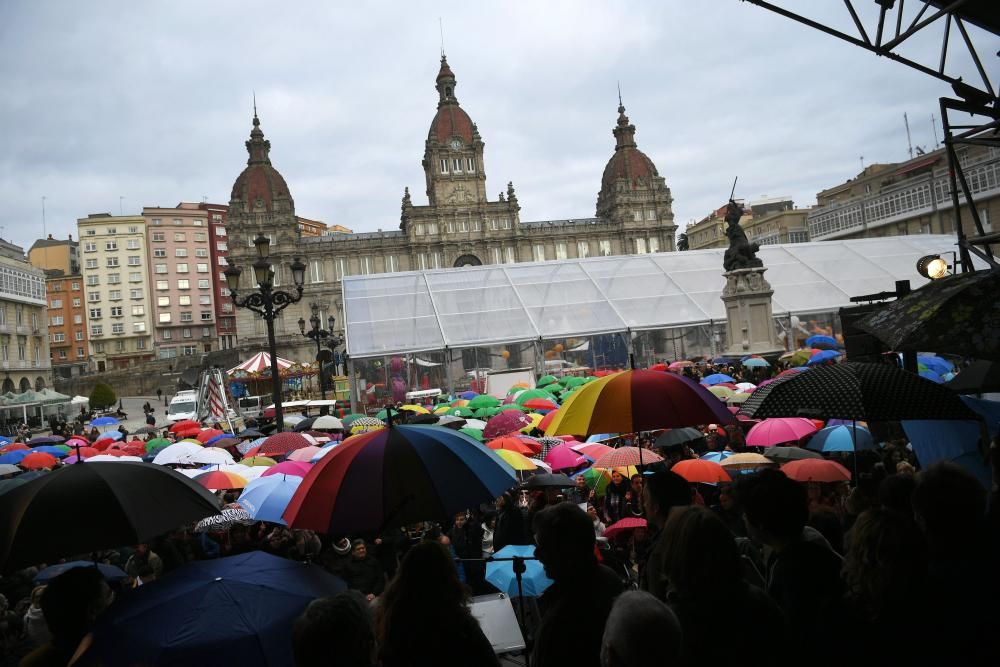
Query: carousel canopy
[(259, 363)]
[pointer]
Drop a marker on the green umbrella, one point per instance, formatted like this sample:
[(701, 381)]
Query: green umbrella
[(572, 381), (157, 444), (483, 401), (65, 448), (514, 390), (547, 379), (533, 393), (591, 378), (473, 433), (461, 412)]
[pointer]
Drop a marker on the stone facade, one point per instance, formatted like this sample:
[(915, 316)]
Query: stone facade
[(460, 224), (24, 341)]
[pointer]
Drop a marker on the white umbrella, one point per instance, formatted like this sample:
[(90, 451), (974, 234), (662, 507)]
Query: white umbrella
[(475, 423), (176, 453), (745, 386), (107, 458), (190, 472), (292, 420), (209, 455), (327, 423)]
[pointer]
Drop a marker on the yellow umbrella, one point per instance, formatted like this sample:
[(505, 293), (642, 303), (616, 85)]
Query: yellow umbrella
[(440, 410), (745, 461), (516, 461), (722, 392), (259, 461), (419, 409), (535, 418)]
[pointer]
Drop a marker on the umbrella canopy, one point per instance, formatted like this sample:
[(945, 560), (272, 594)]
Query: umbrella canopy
[(266, 498), (979, 377), (517, 461), (756, 362), (46, 440), (9, 469), (327, 423), (855, 390), (304, 454), (957, 314), (717, 457), (212, 455), (104, 421), (701, 471), (217, 480), (816, 470), (624, 526), (258, 461), (474, 433), (133, 502), (637, 400), (627, 456), (548, 480), (297, 468), (841, 439), (541, 404), (38, 460), (594, 450), (176, 453), (109, 572), (717, 378), (185, 425), (500, 572), (776, 430), (176, 620), (745, 461), (365, 424), (508, 421), (511, 444), (259, 363), (484, 401), (280, 444), (822, 342), (563, 457), (225, 520), (397, 476), (822, 357), (207, 434), (786, 454)]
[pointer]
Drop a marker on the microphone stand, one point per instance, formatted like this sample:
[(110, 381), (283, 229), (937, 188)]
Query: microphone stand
[(520, 567)]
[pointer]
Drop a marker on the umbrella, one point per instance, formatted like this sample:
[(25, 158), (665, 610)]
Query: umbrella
[(937, 364), (957, 314), (157, 444), (109, 572), (526, 396), (786, 454), (185, 424), (176, 620), (548, 480), (717, 457), (701, 471), (473, 433), (258, 461), (304, 454), (721, 392), (511, 444), (38, 460), (249, 433), (637, 400), (223, 443), (176, 453), (546, 380), (111, 435), (296, 468), (626, 525), (745, 461), (219, 480), (484, 401), (207, 434), (225, 520), (680, 365), (266, 498), (9, 484), (541, 404), (594, 450), (563, 457), (841, 439), (304, 425), (855, 390), (145, 430), (16, 456), (777, 430), (717, 378), (822, 357), (9, 469), (116, 458), (280, 444), (516, 461), (397, 476), (508, 421), (746, 386), (46, 440), (365, 424), (500, 573), (979, 377), (110, 504), (816, 470), (756, 362), (104, 421), (327, 423), (822, 342), (212, 455), (627, 456), (57, 452)]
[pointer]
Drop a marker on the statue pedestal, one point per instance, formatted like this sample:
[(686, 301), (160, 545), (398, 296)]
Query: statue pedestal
[(749, 320)]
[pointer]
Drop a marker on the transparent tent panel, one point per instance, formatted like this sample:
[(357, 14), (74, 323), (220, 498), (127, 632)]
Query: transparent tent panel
[(477, 299), (569, 319), (468, 329)]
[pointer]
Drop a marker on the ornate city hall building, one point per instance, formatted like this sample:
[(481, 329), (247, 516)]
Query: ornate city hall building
[(460, 224)]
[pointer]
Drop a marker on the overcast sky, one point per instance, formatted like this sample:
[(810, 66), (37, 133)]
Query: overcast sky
[(151, 102)]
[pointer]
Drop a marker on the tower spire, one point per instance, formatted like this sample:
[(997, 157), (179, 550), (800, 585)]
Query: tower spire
[(255, 103), (620, 95)]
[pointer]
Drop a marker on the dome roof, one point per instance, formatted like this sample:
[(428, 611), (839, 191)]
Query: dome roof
[(260, 181), (451, 121), (628, 161)]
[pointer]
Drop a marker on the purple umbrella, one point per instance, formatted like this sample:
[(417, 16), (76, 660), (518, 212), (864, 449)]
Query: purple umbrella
[(506, 422), (47, 440)]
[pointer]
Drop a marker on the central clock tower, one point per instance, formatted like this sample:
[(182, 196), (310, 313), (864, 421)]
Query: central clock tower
[(453, 155)]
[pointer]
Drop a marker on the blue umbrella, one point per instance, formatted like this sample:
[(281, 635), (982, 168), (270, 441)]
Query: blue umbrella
[(15, 456), (601, 437), (717, 457), (932, 376), (50, 449), (722, 361), (104, 421), (500, 573), (245, 447), (823, 357), (841, 439), (823, 342), (468, 395), (717, 378), (114, 435), (110, 572), (236, 611), (936, 364), (266, 498), (756, 362), (215, 439)]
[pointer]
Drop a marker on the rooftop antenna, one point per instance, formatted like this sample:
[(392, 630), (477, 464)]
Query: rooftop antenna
[(45, 249), (254, 103), (909, 141), (934, 129), (121, 206), (620, 94), (441, 30), (862, 158)]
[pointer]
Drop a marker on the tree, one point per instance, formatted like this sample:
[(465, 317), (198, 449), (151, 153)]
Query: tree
[(682, 241), (102, 397)]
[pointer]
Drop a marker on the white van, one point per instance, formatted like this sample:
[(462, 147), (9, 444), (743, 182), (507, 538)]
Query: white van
[(184, 405), (252, 406)]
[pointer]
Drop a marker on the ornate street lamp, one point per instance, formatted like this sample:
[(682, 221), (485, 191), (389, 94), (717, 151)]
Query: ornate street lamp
[(267, 302), (320, 336)]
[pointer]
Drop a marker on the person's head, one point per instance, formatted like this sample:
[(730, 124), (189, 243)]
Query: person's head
[(72, 602), (662, 491), (885, 560), (335, 631), (564, 536), (702, 560), (581, 483), (427, 586), (640, 631), (827, 522), (592, 513), (617, 478), (36, 596), (142, 550), (359, 549), (460, 519), (775, 508), (636, 483), (727, 500), (949, 505), (896, 493)]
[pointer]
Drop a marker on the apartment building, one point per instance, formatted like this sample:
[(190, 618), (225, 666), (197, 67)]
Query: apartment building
[(116, 290), (225, 311), (56, 254), (67, 323), (183, 303), (24, 343)]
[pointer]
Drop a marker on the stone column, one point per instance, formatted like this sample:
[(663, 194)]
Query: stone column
[(749, 320)]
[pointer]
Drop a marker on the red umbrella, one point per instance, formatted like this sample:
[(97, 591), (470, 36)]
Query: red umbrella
[(511, 444), (546, 420), (37, 461), (102, 444), (777, 430), (508, 421), (280, 444), (701, 471), (816, 470), (13, 447), (87, 452), (625, 525), (207, 434), (135, 448), (188, 432), (627, 456), (540, 404), (658, 367), (594, 450), (634, 401), (187, 423)]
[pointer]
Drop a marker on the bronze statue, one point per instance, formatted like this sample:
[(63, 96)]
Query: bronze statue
[(741, 254)]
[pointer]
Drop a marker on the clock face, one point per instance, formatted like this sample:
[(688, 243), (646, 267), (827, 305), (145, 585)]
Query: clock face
[(456, 144)]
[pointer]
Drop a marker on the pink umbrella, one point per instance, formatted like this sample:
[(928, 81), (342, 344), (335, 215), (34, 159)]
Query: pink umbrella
[(297, 468), (625, 525), (594, 450), (778, 430), (563, 457), (508, 421), (305, 454)]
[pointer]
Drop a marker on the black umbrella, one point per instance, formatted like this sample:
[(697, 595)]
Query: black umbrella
[(547, 480), (979, 378), (786, 454), (304, 425), (678, 436), (959, 314), (854, 390), (145, 430), (92, 506), (427, 419), (249, 433)]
